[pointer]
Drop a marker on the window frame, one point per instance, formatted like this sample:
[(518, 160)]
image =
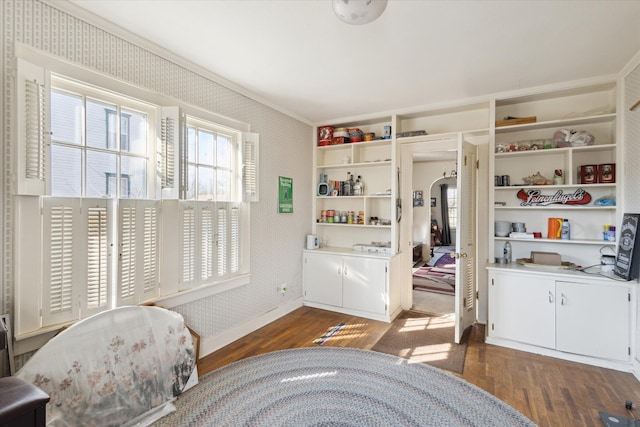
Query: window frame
[(235, 136)]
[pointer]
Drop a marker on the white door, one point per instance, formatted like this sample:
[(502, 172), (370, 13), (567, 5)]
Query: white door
[(465, 238), (364, 284), (322, 276), (522, 308), (593, 320)]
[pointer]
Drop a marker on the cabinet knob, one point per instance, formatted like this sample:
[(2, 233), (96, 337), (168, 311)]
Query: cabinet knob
[(563, 299)]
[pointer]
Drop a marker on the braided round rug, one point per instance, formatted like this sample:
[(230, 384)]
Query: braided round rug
[(336, 387)]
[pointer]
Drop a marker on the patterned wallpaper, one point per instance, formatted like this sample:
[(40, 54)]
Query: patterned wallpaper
[(285, 149), (632, 170)]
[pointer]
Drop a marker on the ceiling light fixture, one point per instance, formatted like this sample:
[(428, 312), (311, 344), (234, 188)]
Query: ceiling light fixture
[(358, 12)]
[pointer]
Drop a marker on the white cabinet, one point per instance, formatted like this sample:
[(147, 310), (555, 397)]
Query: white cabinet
[(353, 284), (563, 312), (593, 319), (323, 279), (522, 309)]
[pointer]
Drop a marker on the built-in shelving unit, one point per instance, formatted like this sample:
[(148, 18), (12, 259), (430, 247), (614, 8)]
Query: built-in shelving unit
[(590, 108), (373, 161)]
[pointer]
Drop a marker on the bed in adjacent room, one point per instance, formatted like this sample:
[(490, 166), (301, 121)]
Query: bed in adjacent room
[(439, 274)]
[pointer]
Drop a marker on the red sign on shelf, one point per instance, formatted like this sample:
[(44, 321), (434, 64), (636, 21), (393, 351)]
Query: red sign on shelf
[(536, 198)]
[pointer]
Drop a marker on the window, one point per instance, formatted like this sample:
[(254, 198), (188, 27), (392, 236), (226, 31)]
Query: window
[(452, 205), (213, 233), (212, 158), (108, 189), (89, 156)]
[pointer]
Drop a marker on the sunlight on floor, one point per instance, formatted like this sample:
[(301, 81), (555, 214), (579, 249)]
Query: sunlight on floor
[(429, 353), (341, 333), (424, 323)]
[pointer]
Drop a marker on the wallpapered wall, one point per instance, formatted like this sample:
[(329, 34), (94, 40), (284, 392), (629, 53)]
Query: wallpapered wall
[(632, 151), (285, 149)]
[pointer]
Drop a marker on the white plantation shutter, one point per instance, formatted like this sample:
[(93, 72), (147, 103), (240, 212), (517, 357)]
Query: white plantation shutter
[(97, 284), (138, 251), (206, 243), (32, 129), (222, 242), (234, 255), (172, 166), (188, 245), (60, 273), (250, 158), (151, 232), (127, 254)]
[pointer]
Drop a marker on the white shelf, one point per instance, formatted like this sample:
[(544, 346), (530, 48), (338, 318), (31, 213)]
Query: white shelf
[(561, 241), (340, 224), (554, 187), (370, 196), (558, 207), (568, 122), (555, 151), (348, 145), (357, 165)]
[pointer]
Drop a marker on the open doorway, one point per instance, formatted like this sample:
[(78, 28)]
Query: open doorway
[(434, 232)]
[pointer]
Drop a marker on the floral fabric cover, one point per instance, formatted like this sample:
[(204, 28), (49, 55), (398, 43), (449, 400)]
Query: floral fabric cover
[(115, 368)]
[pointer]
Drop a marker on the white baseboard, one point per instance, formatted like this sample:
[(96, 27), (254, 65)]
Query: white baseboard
[(594, 361), (636, 368), (210, 344)]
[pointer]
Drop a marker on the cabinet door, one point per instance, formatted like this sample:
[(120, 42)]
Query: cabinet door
[(323, 278), (365, 284), (593, 320), (522, 308)]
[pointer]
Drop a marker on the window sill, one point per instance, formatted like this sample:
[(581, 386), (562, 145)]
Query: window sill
[(190, 295)]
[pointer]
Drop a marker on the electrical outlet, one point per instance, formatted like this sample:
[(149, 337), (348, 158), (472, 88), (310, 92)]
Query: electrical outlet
[(282, 287)]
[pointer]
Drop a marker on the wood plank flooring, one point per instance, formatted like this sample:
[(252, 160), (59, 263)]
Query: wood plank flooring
[(549, 391)]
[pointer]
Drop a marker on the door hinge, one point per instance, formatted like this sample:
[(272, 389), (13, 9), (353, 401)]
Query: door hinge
[(492, 326), (629, 351), (477, 164), (385, 269), (629, 297), (477, 295), (491, 282), (464, 302)]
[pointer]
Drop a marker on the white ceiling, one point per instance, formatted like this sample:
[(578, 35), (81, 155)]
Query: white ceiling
[(299, 57)]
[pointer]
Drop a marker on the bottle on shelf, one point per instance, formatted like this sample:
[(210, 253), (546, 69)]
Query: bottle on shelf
[(346, 186), (357, 187), (352, 184), (507, 252), (566, 230)]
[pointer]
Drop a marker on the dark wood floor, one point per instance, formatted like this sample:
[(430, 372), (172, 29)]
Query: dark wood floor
[(549, 391)]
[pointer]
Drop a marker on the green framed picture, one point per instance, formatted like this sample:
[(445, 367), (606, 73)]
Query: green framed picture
[(285, 195)]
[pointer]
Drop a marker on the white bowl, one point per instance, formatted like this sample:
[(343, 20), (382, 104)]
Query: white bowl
[(502, 228)]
